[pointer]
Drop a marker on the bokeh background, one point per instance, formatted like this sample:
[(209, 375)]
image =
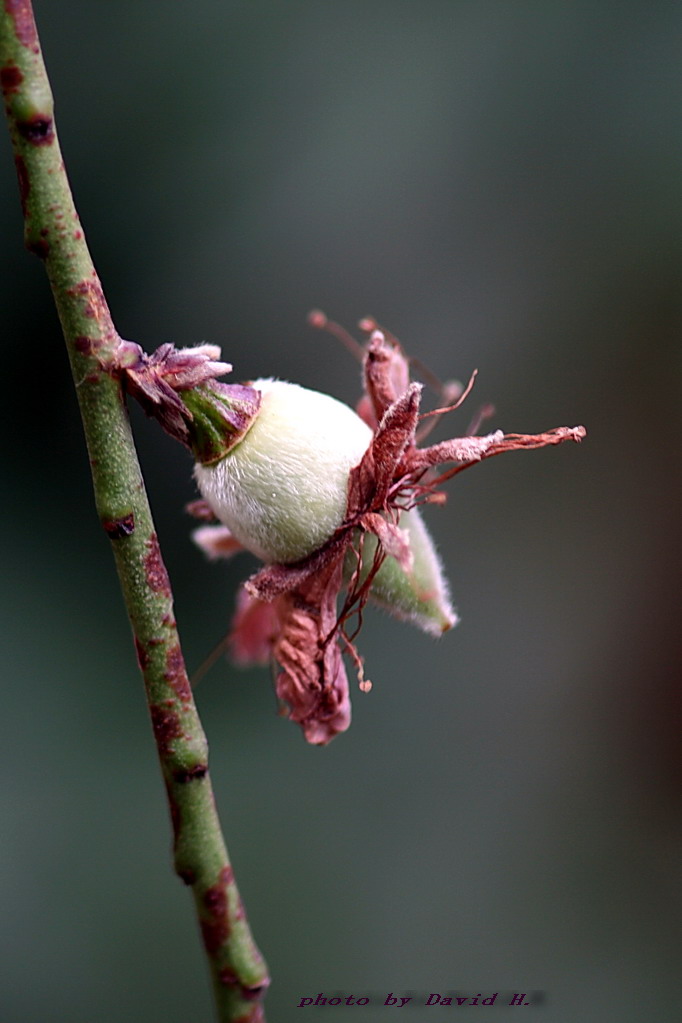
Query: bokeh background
[(499, 183)]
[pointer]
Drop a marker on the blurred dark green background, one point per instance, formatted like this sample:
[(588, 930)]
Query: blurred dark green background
[(500, 184)]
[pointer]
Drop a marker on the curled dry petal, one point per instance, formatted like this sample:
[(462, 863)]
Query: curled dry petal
[(200, 510), (387, 374), (312, 681), (371, 480), (503, 442), (216, 542), (459, 449), (274, 580), (178, 387), (395, 541), (254, 628)]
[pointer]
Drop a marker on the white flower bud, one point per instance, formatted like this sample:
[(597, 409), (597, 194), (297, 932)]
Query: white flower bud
[(282, 490)]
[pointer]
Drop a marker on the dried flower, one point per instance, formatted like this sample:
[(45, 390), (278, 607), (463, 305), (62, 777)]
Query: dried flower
[(328, 498), (178, 387)]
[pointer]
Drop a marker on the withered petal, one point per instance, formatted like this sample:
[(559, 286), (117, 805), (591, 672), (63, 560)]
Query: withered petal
[(216, 541), (313, 680), (394, 540), (387, 374), (371, 480)]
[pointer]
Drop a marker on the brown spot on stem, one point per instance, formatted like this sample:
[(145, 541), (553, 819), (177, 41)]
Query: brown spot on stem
[(24, 25), (116, 529), (195, 773), (216, 928), (24, 181), (176, 674), (229, 978), (258, 990), (38, 130), (155, 570), (87, 345), (142, 655), (166, 725), (39, 247), (10, 79), (187, 875), (94, 303)]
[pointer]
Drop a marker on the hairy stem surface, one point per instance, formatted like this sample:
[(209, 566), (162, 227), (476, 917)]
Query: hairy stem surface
[(53, 232)]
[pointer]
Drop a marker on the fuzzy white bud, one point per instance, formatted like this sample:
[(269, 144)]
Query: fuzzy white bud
[(283, 489)]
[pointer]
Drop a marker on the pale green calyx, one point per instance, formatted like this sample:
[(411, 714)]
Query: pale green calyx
[(420, 596)]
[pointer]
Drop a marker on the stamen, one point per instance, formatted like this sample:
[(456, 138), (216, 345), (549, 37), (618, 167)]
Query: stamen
[(484, 413), (517, 442), (357, 595), (363, 683), (368, 325), (218, 650), (448, 390), (451, 408), (319, 320)]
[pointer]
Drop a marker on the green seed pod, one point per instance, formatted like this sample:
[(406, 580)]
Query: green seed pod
[(420, 596)]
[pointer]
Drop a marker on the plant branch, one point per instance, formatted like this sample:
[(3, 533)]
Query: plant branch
[(53, 232)]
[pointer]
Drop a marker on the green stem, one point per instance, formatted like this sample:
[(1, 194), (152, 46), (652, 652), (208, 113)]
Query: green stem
[(53, 232)]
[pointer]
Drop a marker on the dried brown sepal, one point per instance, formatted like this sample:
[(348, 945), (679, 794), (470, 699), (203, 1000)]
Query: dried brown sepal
[(178, 387), (216, 542), (201, 510), (387, 373), (313, 681)]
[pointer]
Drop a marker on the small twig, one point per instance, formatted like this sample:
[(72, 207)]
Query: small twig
[(52, 231)]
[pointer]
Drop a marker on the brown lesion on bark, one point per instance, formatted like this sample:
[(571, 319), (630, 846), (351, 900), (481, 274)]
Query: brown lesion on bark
[(215, 927), (38, 130), (86, 345), (154, 568), (116, 529), (10, 79), (24, 23), (230, 979), (93, 306), (176, 674), (167, 727), (39, 247), (196, 773)]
